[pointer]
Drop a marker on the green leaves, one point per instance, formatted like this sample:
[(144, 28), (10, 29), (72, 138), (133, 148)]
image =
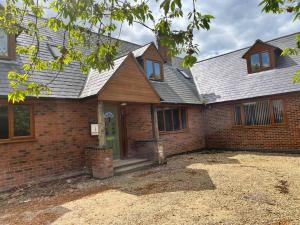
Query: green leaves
[(86, 30), (274, 6), (296, 77), (189, 60), (286, 6)]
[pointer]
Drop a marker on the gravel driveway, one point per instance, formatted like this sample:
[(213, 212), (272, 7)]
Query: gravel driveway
[(217, 188)]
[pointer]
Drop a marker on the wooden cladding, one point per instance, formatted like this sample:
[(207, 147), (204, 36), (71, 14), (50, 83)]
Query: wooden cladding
[(259, 113), (129, 84), (16, 122)]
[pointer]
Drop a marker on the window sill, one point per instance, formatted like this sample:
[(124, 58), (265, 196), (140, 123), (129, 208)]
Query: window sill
[(261, 126), (20, 140), (173, 132), (261, 70), (157, 80)]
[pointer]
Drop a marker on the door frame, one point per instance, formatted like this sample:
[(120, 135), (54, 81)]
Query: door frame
[(123, 131), (123, 142)]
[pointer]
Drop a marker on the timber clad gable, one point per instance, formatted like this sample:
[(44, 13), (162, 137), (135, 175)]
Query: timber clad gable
[(129, 84)]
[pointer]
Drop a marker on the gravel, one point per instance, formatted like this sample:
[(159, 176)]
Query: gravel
[(217, 188)]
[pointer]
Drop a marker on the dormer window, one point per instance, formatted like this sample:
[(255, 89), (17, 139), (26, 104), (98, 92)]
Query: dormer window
[(153, 70), (261, 56), (7, 46), (260, 61)]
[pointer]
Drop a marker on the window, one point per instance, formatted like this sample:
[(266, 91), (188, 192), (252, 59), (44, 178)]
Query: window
[(16, 122), (260, 61), (255, 64), (54, 51), (7, 46), (4, 122), (153, 69), (265, 60), (172, 119), (184, 73), (3, 44), (262, 113)]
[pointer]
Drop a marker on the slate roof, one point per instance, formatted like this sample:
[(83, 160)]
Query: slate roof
[(96, 81), (222, 78), (225, 77), (176, 88), (140, 51), (66, 84)]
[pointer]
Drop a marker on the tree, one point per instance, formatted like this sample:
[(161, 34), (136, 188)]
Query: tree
[(85, 24), (286, 6)]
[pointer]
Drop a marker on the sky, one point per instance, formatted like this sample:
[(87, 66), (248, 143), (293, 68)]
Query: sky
[(237, 24)]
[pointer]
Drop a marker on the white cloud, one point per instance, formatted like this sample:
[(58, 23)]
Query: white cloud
[(237, 24)]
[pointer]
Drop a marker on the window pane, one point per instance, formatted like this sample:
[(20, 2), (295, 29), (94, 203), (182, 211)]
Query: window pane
[(278, 111), (160, 117), (257, 113), (3, 43), (238, 115), (265, 59), (21, 120), (255, 64), (168, 118), (3, 122), (183, 118), (157, 69), (176, 119), (149, 69)]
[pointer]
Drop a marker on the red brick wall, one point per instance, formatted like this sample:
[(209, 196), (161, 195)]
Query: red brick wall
[(191, 139), (221, 132), (62, 130), (139, 128)]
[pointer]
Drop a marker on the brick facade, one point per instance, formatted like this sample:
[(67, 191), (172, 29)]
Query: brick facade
[(139, 128), (62, 131), (222, 134), (191, 139), (139, 132)]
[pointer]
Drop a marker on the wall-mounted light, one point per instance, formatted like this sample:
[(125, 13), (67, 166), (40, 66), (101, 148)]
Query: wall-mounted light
[(123, 104)]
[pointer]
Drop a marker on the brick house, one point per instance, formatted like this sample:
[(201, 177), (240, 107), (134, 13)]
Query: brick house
[(146, 107)]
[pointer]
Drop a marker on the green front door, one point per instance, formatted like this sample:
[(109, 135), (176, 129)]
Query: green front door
[(112, 128)]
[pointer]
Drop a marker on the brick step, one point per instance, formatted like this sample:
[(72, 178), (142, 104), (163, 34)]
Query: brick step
[(128, 162), (133, 167)]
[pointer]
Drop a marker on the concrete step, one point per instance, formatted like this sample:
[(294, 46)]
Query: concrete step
[(128, 162), (133, 167)]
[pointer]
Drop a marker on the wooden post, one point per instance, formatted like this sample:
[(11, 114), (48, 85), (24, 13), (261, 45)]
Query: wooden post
[(160, 154), (101, 125), (155, 123)]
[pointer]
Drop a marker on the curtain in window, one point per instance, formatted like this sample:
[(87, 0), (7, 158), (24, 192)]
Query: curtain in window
[(259, 113), (278, 111)]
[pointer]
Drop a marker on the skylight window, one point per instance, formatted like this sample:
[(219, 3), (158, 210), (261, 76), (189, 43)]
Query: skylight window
[(184, 74), (54, 51)]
